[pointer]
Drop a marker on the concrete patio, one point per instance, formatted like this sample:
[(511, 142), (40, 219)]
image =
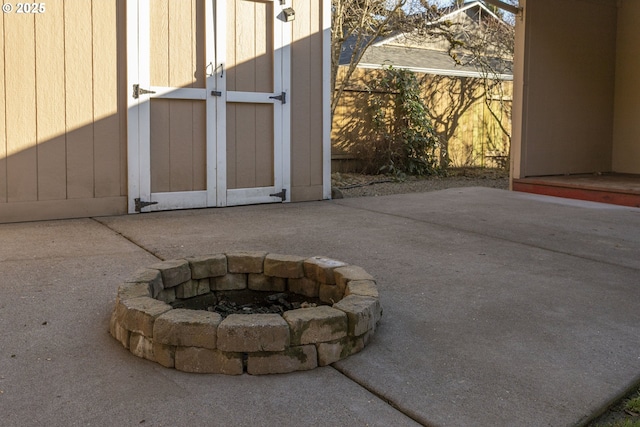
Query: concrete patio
[(500, 309)]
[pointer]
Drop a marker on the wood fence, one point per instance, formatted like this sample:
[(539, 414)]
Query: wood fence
[(472, 117)]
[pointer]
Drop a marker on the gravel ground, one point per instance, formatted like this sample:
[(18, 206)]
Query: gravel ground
[(356, 185)]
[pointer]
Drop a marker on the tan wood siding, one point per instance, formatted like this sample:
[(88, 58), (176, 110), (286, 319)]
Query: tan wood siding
[(249, 145), (79, 100), (250, 69), (306, 99), (250, 46), (63, 125), (123, 93), (52, 174), (178, 133), (70, 208), (20, 108), (63, 120), (105, 100), (3, 131), (159, 76)]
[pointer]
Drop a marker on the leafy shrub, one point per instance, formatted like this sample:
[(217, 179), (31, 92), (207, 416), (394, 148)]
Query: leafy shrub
[(390, 129)]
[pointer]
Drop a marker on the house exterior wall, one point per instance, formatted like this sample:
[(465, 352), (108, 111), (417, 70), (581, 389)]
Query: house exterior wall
[(63, 125), (626, 135), (307, 101), (63, 119), (564, 77), (178, 126)]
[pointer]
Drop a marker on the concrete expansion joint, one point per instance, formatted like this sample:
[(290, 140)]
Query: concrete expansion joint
[(128, 239)]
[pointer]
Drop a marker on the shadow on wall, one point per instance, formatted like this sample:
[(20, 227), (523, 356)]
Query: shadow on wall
[(63, 132)]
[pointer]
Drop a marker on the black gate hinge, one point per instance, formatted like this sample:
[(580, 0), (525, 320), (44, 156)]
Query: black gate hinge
[(282, 194), (282, 97), (140, 204), (137, 91)]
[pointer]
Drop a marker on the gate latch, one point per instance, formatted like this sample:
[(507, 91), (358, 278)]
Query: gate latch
[(282, 97), (140, 204), (282, 194), (137, 91)]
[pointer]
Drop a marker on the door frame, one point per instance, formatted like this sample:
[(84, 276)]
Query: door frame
[(139, 113)]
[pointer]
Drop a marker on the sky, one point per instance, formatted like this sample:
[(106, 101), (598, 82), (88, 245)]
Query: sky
[(441, 3)]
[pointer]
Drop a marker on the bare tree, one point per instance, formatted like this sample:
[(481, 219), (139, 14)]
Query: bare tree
[(358, 24), (361, 23), (489, 47)]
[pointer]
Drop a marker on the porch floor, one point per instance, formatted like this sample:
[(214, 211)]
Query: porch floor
[(612, 188)]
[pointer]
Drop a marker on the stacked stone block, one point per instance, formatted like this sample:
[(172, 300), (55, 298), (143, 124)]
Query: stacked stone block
[(145, 322)]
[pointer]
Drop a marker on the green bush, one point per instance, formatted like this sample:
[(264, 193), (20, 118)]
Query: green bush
[(391, 130)]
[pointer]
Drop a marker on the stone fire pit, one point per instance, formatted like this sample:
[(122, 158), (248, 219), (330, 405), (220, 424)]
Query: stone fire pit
[(154, 315)]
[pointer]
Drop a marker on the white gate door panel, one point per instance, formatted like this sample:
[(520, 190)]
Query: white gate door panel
[(253, 41), (152, 63), (155, 107)]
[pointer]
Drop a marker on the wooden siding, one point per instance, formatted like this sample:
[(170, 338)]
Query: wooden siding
[(306, 101), (61, 136), (20, 102), (63, 125), (50, 89), (3, 132), (250, 155), (178, 127), (459, 112)]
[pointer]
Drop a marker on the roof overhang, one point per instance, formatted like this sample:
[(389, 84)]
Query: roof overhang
[(505, 6)]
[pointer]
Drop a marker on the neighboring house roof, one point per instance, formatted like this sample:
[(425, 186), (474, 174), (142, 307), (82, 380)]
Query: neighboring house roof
[(427, 61), (429, 54)]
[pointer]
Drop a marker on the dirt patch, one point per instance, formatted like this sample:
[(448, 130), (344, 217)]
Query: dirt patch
[(618, 415), (358, 185)]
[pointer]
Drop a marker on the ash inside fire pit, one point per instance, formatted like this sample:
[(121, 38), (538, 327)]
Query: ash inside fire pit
[(248, 302)]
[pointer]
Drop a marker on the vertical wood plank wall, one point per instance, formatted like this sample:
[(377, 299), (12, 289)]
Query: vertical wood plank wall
[(62, 142), (50, 85), (306, 101), (178, 138), (250, 69), (3, 133), (63, 114), (20, 108), (79, 105), (105, 101), (458, 109)]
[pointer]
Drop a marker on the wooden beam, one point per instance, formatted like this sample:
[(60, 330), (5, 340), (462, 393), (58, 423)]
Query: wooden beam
[(505, 6)]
